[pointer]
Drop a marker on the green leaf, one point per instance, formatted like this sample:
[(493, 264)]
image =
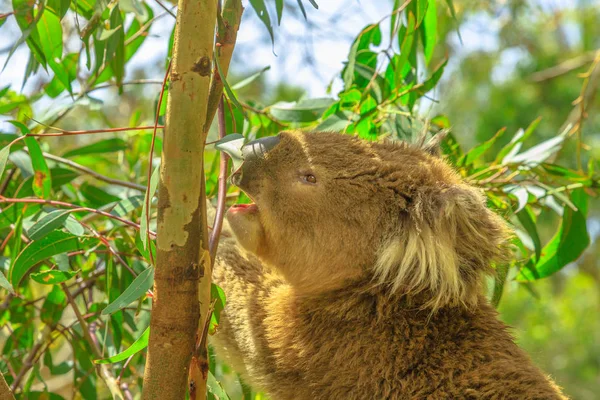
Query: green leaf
[(6, 284), (103, 146), (250, 79), (218, 295), (517, 141), (140, 344), (406, 38), (214, 387), (64, 77), (429, 30), (59, 7), (38, 250), (3, 159), (138, 288), (478, 151), (53, 276), (527, 219), (48, 223), (42, 182), (125, 206), (232, 145), (314, 4), (117, 41), (567, 244), (279, 9), (96, 196), (307, 110), (62, 176), (148, 200), (53, 306), (262, 12), (230, 94), (301, 6)]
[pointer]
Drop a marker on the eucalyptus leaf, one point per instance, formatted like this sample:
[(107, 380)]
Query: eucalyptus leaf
[(140, 344), (138, 288), (232, 145)]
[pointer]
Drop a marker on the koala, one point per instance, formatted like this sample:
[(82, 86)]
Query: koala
[(357, 272)]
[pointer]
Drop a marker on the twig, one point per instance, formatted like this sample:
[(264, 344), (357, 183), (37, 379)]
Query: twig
[(7, 180), (166, 9), (563, 68), (92, 173), (222, 191), (69, 205), (102, 369), (28, 363), (62, 132)]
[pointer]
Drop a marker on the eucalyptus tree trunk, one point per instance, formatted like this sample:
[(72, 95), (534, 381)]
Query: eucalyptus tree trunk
[(182, 277)]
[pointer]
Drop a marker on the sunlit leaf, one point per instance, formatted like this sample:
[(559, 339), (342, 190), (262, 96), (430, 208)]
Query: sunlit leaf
[(138, 288), (429, 30), (567, 244), (140, 344)]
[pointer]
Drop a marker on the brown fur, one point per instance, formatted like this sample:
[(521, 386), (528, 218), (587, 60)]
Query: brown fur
[(367, 284)]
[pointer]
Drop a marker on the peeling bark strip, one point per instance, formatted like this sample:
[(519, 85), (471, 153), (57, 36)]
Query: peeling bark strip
[(182, 232)]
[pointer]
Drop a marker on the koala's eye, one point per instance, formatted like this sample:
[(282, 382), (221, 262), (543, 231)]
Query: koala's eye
[(309, 178)]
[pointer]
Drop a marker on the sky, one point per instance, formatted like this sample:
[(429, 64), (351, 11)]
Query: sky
[(326, 37)]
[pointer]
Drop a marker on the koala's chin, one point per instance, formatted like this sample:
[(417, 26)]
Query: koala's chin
[(246, 226)]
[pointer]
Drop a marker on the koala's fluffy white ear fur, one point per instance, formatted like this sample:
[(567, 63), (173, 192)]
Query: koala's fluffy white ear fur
[(443, 247)]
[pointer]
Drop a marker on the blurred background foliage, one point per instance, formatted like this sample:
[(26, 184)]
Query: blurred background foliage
[(477, 67)]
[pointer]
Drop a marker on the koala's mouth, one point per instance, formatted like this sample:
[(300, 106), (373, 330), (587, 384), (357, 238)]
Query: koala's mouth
[(250, 208)]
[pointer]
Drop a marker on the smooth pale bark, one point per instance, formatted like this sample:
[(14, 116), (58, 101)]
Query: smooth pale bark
[(182, 277)]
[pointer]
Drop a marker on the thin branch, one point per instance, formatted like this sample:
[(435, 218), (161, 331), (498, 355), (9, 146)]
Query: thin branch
[(563, 68), (166, 9), (222, 191), (69, 205), (102, 369), (92, 173), (62, 132)]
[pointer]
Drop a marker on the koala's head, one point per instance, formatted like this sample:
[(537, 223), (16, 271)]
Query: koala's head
[(329, 210)]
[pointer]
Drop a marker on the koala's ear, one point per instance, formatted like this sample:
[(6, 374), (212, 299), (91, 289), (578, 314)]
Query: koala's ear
[(445, 246)]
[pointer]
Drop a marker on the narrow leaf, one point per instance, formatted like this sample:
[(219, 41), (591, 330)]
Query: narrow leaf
[(47, 224), (262, 12), (42, 182), (140, 344), (138, 288)]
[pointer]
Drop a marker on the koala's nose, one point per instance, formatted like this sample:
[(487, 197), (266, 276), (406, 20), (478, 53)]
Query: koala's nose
[(257, 149)]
